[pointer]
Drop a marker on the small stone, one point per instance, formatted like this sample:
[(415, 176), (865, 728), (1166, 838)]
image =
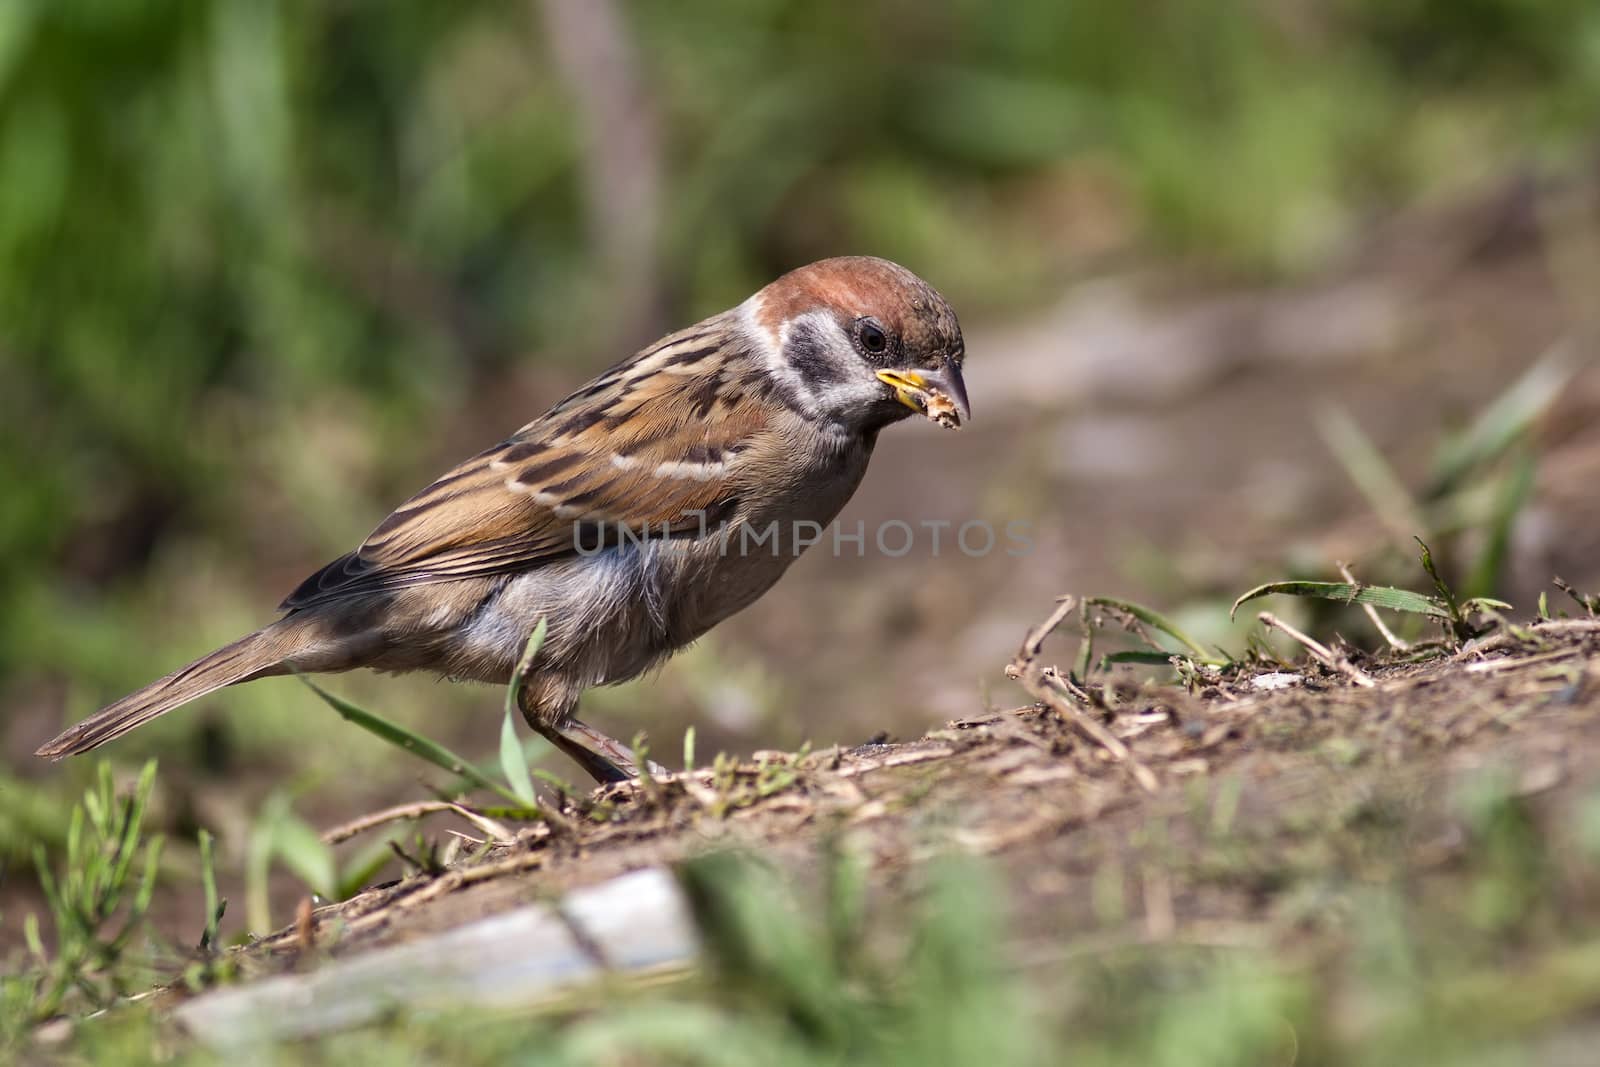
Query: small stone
[(1276, 680)]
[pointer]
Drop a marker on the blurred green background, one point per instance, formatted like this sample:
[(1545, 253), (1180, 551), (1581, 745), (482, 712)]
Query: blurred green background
[(266, 267)]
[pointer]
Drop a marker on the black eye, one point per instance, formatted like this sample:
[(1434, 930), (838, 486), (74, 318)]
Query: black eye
[(871, 337)]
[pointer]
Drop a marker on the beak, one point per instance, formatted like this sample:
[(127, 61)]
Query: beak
[(941, 395)]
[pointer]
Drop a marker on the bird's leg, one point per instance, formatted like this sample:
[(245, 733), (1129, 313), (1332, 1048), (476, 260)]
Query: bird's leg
[(605, 758)]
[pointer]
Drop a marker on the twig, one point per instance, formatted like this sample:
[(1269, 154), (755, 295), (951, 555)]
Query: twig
[(1534, 629), (496, 831), (1047, 685), (1320, 652), (1590, 604), (1486, 666), (305, 926), (404, 811), (1372, 613), (1051, 688), (647, 773), (1035, 639), (1012, 729), (554, 820)]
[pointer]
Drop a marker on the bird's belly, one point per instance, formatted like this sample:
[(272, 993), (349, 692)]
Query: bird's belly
[(614, 615), (610, 616)]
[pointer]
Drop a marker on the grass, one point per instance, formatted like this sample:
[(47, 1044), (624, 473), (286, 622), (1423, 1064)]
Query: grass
[(513, 756), (1394, 957), (1479, 481), (1165, 645), (1363, 921), (280, 835), (98, 899), (100, 949), (1467, 502)]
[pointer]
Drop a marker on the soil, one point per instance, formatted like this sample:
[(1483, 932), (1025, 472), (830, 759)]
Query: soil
[(1260, 771)]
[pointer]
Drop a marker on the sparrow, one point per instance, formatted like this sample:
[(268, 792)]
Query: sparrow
[(659, 499)]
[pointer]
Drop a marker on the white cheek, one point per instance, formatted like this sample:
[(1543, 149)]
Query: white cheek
[(850, 388), (847, 385), (760, 339), (848, 397)]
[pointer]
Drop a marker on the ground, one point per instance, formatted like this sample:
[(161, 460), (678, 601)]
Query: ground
[(1250, 810)]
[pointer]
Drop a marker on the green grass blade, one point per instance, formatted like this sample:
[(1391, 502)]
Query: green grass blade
[(1085, 645), (364, 866), (34, 940), (304, 852), (1507, 419), (208, 883), (1371, 473), (1153, 619), (414, 743), (133, 821), (513, 765), (147, 883), (1143, 659), (98, 799), (73, 876), (1447, 596), (1379, 596), (1512, 497), (53, 895), (258, 863), (513, 760)]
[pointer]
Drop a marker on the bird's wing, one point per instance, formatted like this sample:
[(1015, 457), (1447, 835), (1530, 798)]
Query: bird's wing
[(656, 445)]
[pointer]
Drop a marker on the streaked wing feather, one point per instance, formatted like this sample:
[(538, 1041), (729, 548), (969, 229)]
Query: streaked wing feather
[(653, 443)]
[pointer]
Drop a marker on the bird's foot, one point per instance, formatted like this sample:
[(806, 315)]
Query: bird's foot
[(605, 758)]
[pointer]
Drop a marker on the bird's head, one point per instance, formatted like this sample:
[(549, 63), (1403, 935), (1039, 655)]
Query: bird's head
[(862, 342)]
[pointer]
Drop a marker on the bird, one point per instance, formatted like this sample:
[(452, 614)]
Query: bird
[(662, 497)]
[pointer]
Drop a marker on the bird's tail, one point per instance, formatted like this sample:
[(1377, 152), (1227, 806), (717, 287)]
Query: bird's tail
[(258, 655)]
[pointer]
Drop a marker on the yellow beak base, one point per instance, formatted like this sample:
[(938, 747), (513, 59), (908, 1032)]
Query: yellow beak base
[(910, 388)]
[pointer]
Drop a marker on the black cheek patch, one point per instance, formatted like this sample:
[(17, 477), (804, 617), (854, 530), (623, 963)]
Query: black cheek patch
[(808, 354)]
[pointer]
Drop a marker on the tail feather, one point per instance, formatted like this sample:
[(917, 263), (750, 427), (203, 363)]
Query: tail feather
[(256, 655)]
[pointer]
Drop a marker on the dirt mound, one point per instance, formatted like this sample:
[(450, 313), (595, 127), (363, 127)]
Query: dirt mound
[(1268, 757)]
